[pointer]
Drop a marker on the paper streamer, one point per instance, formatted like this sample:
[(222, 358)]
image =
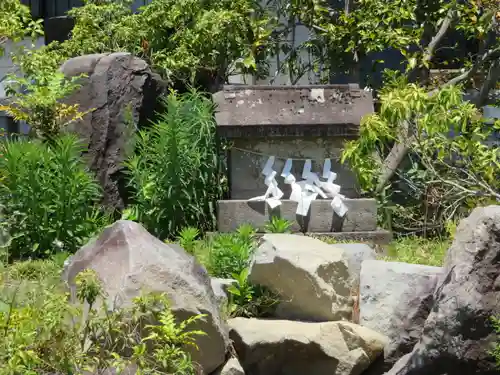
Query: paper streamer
[(338, 206), (305, 191), (327, 167), (305, 203), (268, 167), (287, 168), (273, 193), (307, 169), (296, 194), (273, 202)]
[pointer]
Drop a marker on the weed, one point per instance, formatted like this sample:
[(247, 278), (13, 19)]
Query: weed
[(418, 250), (496, 350), (278, 225), (187, 238), (229, 254), (248, 300)]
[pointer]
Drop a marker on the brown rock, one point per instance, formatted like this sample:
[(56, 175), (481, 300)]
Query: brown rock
[(129, 260), (118, 86)]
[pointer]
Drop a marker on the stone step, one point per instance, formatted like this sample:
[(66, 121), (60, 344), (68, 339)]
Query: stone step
[(361, 216)]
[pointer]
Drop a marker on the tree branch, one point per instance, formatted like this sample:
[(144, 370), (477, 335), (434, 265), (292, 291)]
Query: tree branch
[(405, 139), (402, 146), (488, 84), (438, 38), (488, 55)]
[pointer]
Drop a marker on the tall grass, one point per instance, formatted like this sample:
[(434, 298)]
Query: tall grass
[(49, 201), (175, 175)]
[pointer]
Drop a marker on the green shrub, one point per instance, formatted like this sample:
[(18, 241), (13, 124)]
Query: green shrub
[(37, 269), (229, 253), (48, 198), (182, 39), (248, 300), (450, 167), (187, 238), (49, 335), (175, 176)]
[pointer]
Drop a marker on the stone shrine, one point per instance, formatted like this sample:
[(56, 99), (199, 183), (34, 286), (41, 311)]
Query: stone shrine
[(307, 124)]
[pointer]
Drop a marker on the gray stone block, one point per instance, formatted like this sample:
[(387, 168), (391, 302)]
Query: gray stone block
[(383, 287), (274, 111), (362, 215)]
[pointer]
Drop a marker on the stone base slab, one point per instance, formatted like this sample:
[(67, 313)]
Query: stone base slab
[(379, 237), (361, 216)]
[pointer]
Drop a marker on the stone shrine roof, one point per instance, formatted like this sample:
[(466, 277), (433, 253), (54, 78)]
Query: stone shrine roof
[(281, 111)]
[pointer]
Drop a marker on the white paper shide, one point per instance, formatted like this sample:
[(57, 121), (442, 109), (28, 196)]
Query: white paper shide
[(304, 191)]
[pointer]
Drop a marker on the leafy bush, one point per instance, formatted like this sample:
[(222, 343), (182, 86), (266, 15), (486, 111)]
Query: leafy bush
[(450, 168), (228, 254), (33, 270), (48, 199), (38, 103), (49, 335), (176, 175), (181, 40), (16, 23)]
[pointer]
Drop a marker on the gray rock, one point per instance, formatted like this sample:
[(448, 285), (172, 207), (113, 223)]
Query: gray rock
[(129, 260), (385, 287), (278, 347), (219, 286), (406, 325), (232, 367), (116, 83), (310, 276), (458, 334), (356, 254)]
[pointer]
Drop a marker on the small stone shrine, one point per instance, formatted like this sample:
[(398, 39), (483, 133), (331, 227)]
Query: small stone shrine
[(284, 160)]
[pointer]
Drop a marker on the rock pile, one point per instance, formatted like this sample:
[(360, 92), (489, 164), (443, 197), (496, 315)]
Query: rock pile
[(413, 320)]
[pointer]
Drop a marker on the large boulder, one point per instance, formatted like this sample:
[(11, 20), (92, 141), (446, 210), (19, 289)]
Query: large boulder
[(405, 325), (355, 254), (220, 287), (129, 260), (310, 276), (277, 347), (231, 367), (119, 88), (387, 287), (458, 334)]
